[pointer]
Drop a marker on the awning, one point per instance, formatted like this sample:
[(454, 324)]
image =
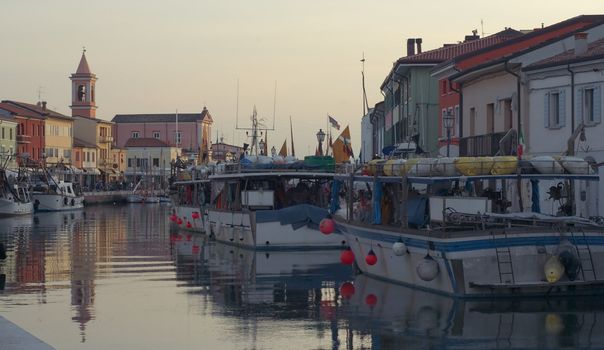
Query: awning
[(92, 171)]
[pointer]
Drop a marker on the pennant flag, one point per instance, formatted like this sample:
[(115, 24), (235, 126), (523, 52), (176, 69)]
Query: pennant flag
[(283, 151), (334, 123), (342, 149)]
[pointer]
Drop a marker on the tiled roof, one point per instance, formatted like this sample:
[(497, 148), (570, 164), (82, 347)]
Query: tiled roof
[(594, 50), (31, 110), (452, 50), (81, 143), (162, 118), (145, 142)]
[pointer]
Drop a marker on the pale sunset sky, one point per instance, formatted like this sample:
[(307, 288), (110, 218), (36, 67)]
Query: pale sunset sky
[(156, 56)]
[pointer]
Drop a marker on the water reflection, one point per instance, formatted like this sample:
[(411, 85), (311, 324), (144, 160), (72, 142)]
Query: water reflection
[(116, 277), (397, 316)]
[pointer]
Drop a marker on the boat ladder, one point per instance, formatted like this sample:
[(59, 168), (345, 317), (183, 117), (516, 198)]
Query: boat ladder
[(585, 258), (504, 261)]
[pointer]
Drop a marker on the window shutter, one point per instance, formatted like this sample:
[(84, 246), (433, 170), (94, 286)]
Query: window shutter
[(579, 105), (597, 104), (546, 111), (562, 107)]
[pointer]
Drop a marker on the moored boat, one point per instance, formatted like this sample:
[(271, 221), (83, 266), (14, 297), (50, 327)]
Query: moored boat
[(15, 198), (474, 236)]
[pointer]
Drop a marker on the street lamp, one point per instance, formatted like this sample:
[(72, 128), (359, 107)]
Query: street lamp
[(320, 138), (448, 119), (262, 144)]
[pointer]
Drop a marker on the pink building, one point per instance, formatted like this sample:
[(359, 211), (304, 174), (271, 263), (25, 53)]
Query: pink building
[(192, 134)]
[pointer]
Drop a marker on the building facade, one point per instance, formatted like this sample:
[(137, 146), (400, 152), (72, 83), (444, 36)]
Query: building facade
[(8, 142), (150, 158), (187, 131)]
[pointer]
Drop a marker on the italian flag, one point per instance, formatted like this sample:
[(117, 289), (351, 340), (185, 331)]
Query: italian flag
[(520, 150)]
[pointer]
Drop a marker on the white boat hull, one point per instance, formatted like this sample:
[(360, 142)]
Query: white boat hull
[(242, 229), (478, 264), (10, 208), (57, 202)]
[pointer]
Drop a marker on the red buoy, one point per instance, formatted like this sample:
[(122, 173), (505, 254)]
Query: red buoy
[(347, 256), (371, 300), (195, 249), (173, 217), (189, 224), (371, 259), (195, 215), (179, 221), (327, 226), (347, 290)]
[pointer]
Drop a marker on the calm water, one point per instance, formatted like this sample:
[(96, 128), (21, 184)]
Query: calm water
[(122, 278)]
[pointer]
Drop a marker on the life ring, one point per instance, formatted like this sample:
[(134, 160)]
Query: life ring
[(72, 202), (65, 200)]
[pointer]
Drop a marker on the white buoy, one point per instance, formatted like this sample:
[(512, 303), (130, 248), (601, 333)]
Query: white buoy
[(427, 269), (399, 248)]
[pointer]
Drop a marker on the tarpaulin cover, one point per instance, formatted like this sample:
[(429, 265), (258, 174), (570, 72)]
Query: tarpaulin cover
[(416, 211), (296, 215)]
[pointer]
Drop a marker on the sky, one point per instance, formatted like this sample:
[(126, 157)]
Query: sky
[(157, 56)]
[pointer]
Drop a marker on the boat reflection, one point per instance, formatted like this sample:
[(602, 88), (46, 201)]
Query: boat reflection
[(242, 277), (397, 316)]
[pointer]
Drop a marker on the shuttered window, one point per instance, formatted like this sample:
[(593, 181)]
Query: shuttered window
[(554, 109)]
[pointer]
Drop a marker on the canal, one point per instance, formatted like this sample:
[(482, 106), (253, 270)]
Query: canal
[(120, 277)]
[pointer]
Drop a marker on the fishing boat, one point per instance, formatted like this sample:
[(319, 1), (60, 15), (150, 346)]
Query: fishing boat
[(51, 194), (472, 227), (15, 198), (141, 195), (263, 205), (190, 198)]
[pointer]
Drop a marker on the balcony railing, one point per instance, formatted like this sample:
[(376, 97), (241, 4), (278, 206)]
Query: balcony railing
[(23, 138), (480, 145), (105, 139)]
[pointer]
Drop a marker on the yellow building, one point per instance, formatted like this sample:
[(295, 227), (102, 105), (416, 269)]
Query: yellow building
[(119, 157), (58, 142), (98, 132)]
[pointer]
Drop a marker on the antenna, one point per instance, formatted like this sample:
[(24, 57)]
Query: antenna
[(481, 28), (365, 103), (237, 107), (40, 91)]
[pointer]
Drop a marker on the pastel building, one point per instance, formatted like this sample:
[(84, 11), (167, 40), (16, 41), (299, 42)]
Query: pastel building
[(188, 131), (149, 157), (8, 141)]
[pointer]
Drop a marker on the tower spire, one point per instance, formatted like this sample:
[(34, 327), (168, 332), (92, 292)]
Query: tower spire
[(83, 82)]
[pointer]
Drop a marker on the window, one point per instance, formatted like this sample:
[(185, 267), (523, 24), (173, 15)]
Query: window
[(3, 137), (93, 156), (591, 105), (130, 162), (10, 134), (555, 109), (472, 121), (77, 156), (177, 137), (156, 162), (81, 93), (490, 118), (135, 135), (156, 135), (66, 154)]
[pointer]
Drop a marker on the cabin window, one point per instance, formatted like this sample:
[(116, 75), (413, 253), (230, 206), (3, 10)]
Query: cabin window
[(555, 109)]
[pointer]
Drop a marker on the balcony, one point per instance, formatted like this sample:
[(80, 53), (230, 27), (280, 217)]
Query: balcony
[(23, 139), (105, 139), (484, 145)]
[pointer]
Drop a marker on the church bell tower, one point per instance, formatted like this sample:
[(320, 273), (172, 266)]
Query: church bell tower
[(83, 101)]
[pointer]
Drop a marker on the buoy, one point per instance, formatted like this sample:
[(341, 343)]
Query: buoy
[(189, 237), (553, 269), (427, 269), (347, 290), (399, 248), (371, 258), (195, 215), (327, 226), (179, 221), (371, 300), (347, 256), (173, 217), (189, 224)]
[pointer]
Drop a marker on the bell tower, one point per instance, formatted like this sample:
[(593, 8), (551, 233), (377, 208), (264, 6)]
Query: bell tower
[(83, 101)]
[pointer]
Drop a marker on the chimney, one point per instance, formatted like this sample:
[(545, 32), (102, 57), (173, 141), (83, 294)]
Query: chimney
[(44, 105), (410, 47), (418, 41), (580, 43)]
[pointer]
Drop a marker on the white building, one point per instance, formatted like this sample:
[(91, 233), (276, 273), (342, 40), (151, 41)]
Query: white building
[(563, 92)]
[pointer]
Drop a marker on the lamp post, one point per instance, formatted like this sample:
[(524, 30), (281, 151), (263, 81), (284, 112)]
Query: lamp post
[(320, 138), (262, 144), (448, 124)]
